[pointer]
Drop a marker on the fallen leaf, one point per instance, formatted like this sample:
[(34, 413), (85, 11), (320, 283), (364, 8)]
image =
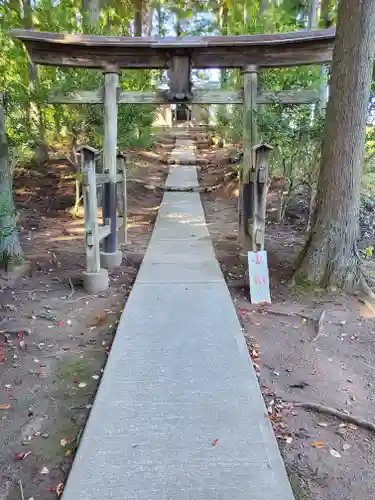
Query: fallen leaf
[(44, 471), (335, 453), (322, 424), (346, 446), (353, 427), (22, 455), (318, 444), (59, 489), (63, 442), (5, 407), (95, 377), (81, 385), (243, 310), (215, 442), (99, 320), (68, 452), (289, 440), (299, 385)]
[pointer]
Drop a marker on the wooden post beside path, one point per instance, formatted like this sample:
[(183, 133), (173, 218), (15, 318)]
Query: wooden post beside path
[(110, 256), (250, 138), (95, 279)]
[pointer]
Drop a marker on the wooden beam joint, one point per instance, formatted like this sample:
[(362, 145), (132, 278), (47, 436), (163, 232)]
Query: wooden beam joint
[(179, 80)]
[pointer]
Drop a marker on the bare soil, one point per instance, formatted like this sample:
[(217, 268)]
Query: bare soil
[(326, 458), (54, 338)]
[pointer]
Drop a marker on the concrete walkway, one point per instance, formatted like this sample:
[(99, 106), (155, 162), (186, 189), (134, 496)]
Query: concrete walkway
[(179, 414)]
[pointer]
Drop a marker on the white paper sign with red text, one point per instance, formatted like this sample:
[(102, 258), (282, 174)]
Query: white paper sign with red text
[(259, 280)]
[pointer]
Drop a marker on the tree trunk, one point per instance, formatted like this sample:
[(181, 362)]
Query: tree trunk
[(138, 17), (149, 20), (91, 9), (161, 20), (10, 248), (325, 22), (330, 256), (324, 13), (35, 110), (263, 6), (313, 14), (178, 27)]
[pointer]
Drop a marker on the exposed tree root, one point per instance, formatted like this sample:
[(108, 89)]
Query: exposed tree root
[(326, 410), (349, 277)]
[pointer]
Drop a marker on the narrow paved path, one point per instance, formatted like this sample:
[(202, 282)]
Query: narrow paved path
[(179, 414)]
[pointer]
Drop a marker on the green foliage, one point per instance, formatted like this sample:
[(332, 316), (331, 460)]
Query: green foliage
[(10, 248), (30, 119), (368, 252)]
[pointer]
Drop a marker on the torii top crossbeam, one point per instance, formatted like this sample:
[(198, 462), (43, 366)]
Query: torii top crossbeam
[(102, 52)]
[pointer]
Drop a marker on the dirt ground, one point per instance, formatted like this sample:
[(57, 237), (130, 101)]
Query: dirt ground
[(327, 459), (54, 339)]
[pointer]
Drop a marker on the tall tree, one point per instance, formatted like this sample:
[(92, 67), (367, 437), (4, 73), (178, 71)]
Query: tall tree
[(313, 14), (35, 111), (138, 17), (91, 9), (10, 248), (330, 256)]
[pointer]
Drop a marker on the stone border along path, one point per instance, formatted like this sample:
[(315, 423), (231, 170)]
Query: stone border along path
[(179, 414)]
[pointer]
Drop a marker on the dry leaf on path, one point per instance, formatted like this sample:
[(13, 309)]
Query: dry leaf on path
[(22, 455), (59, 489), (5, 407), (81, 385), (318, 444)]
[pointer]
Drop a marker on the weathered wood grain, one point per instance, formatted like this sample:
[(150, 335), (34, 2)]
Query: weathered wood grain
[(179, 79), (303, 96), (282, 49), (109, 155), (92, 236), (250, 138)]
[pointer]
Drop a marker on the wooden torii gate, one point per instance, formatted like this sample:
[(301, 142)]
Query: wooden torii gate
[(179, 55)]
